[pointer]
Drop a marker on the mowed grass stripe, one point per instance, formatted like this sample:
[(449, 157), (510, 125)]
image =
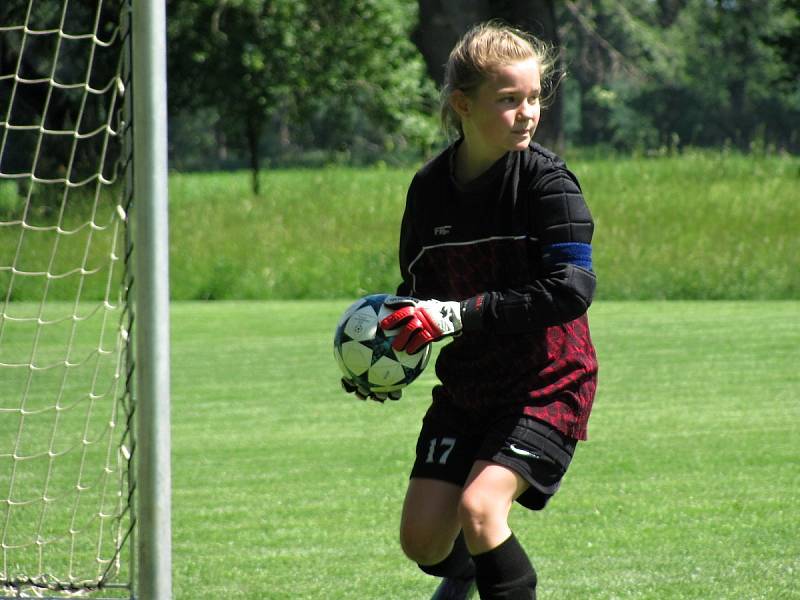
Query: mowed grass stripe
[(286, 488)]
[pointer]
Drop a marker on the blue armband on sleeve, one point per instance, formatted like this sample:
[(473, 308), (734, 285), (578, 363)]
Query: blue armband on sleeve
[(573, 253)]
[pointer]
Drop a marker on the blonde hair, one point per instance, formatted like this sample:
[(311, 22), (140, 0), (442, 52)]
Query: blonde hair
[(484, 47)]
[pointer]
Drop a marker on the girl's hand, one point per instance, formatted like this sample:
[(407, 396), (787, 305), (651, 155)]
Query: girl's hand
[(420, 321), (352, 388)]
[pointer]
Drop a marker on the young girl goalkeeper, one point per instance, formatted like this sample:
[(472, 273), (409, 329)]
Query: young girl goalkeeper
[(495, 252)]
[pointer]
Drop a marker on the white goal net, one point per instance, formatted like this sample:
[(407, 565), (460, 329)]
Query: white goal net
[(66, 441)]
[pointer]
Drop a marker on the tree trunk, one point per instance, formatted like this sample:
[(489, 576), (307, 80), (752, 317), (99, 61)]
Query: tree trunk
[(668, 11), (443, 22), (253, 138)]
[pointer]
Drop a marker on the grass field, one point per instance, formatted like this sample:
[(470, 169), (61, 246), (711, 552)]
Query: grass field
[(284, 488)]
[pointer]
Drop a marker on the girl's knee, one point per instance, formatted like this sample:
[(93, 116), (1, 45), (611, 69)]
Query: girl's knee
[(422, 546), (484, 519), (475, 510)]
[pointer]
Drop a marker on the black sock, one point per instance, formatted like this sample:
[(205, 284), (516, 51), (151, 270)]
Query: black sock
[(457, 564), (505, 573)]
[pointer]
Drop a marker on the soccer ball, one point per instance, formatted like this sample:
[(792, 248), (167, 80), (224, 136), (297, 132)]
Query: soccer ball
[(364, 351)]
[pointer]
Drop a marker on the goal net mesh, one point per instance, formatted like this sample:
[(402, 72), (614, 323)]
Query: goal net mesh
[(66, 414)]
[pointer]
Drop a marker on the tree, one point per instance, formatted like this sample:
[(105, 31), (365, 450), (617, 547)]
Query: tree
[(787, 41), (676, 72), (317, 71), (612, 49), (733, 75), (29, 98)]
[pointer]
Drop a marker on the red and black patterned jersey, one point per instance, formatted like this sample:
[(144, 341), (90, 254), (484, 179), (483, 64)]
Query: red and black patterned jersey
[(514, 246)]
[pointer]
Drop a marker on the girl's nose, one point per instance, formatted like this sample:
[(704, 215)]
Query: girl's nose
[(527, 111)]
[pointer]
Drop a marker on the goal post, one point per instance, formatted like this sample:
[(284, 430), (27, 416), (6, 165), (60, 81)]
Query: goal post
[(152, 297), (85, 478)]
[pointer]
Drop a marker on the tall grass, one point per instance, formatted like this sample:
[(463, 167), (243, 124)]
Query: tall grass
[(702, 225), (697, 226), (60, 245), (312, 234)]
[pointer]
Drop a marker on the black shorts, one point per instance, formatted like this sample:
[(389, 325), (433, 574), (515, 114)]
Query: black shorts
[(539, 453)]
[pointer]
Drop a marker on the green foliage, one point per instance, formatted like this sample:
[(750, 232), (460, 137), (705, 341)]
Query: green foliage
[(49, 51), (286, 488), (336, 76), (695, 73), (10, 200)]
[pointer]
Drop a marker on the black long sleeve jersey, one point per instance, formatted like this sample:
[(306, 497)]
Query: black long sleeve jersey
[(514, 246)]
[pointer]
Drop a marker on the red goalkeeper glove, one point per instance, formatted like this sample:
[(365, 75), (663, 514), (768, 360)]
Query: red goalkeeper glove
[(420, 321)]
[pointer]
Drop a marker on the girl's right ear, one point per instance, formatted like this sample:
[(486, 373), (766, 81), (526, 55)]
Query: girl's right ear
[(460, 103)]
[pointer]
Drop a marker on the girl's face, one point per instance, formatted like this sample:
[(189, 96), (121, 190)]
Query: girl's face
[(502, 114)]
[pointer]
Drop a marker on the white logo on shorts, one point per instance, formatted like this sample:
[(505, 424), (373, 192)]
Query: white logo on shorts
[(522, 452)]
